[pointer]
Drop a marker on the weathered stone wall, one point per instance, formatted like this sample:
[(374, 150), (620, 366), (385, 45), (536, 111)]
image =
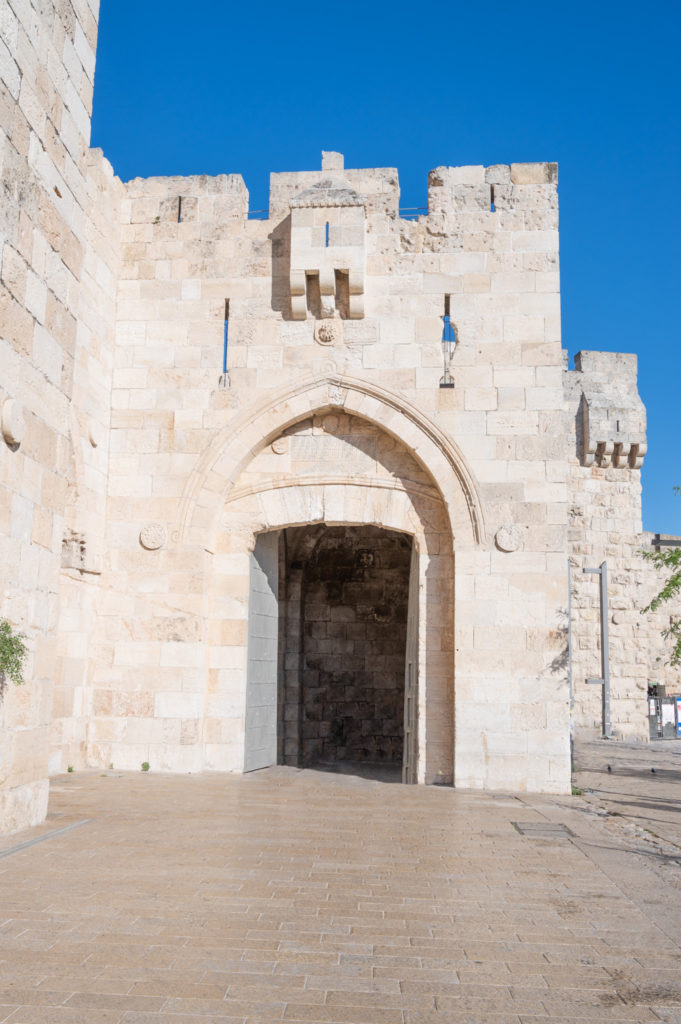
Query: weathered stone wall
[(606, 450), (498, 436), (57, 292), (83, 545)]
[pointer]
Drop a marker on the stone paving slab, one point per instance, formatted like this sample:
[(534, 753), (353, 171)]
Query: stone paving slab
[(638, 781), (304, 896)]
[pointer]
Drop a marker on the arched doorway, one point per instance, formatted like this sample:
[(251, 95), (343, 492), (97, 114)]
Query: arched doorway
[(327, 476), (248, 482), (343, 625)]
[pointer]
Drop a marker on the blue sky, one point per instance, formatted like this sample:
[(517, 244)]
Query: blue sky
[(251, 88)]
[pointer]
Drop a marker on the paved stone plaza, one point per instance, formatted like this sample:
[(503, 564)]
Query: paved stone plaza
[(303, 896)]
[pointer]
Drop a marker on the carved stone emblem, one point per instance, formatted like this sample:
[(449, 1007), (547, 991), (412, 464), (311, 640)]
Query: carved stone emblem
[(153, 536), (280, 446), (509, 538), (336, 394), (73, 550), (328, 332)]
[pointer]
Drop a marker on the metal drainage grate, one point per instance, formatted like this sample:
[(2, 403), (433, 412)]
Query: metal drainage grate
[(542, 829), (44, 837)]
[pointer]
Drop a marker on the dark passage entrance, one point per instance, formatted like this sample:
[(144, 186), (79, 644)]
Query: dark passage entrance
[(343, 625)]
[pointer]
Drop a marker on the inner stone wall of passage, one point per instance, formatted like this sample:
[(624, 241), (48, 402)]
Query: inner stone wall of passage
[(352, 587)]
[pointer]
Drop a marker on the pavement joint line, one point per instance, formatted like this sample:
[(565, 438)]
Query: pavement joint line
[(41, 839)]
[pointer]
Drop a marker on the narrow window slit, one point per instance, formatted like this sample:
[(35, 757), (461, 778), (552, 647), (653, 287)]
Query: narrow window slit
[(491, 199), (179, 209), (327, 234)]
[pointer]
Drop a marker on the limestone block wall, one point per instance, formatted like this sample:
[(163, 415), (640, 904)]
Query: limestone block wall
[(56, 305), (83, 542), (488, 249), (606, 450)]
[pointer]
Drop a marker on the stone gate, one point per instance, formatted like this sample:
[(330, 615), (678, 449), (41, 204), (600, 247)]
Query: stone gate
[(304, 488)]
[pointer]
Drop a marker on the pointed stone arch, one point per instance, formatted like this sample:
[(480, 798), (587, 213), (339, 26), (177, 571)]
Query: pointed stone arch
[(411, 489), (220, 466)]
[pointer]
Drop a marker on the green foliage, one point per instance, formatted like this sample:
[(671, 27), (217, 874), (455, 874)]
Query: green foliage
[(13, 653), (668, 561), (70, 768), (145, 766)]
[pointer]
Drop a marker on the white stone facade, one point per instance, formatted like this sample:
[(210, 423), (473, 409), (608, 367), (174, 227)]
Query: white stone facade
[(136, 474)]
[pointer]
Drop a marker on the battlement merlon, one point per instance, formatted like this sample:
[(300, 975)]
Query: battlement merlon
[(378, 186), (494, 188), (198, 197), (612, 415)]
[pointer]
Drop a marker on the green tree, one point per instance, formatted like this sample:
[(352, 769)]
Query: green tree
[(669, 562), (12, 655)]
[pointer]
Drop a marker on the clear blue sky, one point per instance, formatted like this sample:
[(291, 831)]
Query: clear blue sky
[(217, 87)]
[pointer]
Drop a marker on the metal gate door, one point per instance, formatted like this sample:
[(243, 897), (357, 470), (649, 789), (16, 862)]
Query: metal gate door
[(260, 740), (411, 671)]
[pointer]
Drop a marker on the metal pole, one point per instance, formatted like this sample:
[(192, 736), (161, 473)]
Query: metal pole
[(570, 655), (570, 635), (605, 651)]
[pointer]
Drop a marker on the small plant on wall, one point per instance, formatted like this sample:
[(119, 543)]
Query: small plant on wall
[(13, 653)]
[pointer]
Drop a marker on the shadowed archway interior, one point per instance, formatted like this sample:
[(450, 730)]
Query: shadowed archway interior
[(343, 626)]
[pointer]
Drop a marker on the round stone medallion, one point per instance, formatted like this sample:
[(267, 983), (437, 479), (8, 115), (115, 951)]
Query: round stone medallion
[(153, 536), (509, 538), (280, 446), (328, 332)]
